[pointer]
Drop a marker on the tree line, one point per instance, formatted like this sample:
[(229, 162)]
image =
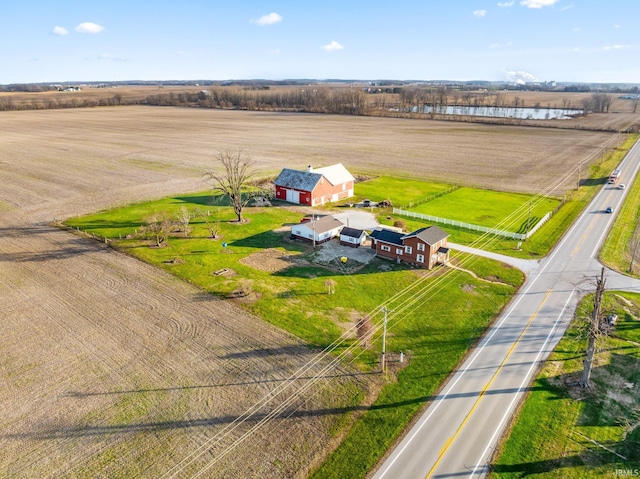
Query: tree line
[(311, 99)]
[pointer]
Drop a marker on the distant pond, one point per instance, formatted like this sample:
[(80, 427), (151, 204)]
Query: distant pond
[(522, 113)]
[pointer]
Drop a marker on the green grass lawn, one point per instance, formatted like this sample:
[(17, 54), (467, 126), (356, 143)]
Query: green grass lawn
[(505, 211), (567, 431), (401, 191), (433, 325)]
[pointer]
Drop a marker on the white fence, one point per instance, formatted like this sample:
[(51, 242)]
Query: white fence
[(469, 226)]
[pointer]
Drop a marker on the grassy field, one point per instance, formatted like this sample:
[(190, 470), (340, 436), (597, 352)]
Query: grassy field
[(401, 191), (295, 298), (567, 431), (494, 209)]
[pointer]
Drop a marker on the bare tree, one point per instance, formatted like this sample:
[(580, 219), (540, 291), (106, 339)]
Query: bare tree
[(634, 247), (594, 331), (158, 226), (184, 218), (234, 180), (212, 226)]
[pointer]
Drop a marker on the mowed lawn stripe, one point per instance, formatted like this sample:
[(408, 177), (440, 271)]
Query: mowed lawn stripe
[(488, 208)]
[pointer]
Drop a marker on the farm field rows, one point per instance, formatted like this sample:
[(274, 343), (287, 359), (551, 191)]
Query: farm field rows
[(99, 349)]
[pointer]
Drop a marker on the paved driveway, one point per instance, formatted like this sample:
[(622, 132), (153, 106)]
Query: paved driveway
[(359, 219)]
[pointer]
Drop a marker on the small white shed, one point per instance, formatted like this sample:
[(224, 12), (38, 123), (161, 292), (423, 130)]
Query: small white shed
[(352, 236)]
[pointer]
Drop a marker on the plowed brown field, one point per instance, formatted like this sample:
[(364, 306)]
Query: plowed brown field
[(111, 368)]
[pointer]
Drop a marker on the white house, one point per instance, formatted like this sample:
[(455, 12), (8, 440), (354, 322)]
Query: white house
[(321, 229)]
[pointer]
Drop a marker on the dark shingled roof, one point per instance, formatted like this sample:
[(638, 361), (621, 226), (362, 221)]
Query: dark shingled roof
[(300, 180), (352, 232), (430, 235), (387, 236)]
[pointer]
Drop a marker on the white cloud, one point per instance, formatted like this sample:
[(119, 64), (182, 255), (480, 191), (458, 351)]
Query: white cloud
[(616, 47), (269, 19), (479, 13), (88, 27), (59, 30), (616, 26), (506, 4), (520, 77), (333, 46), (538, 3)]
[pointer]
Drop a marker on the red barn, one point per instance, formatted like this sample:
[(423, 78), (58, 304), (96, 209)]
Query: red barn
[(314, 186)]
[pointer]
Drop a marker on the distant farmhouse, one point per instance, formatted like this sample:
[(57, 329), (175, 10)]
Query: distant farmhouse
[(425, 247), (314, 187)]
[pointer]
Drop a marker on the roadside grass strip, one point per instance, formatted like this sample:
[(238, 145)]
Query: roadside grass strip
[(564, 430)]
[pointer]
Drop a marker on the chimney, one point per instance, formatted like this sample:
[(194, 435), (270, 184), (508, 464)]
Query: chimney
[(309, 169)]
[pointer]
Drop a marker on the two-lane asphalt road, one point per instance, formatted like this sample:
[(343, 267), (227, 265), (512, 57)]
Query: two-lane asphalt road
[(457, 433)]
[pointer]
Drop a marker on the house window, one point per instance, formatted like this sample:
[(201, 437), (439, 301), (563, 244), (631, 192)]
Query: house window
[(344, 186), (420, 258), (384, 247), (399, 251), (420, 246), (407, 249)]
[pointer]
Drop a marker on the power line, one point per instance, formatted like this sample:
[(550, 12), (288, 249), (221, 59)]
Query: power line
[(409, 299)]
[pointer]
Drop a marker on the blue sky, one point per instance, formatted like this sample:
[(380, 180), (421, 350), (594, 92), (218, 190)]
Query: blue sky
[(115, 40)]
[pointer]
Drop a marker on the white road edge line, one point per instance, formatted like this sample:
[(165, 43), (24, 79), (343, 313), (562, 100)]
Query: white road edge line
[(485, 342), (522, 385)]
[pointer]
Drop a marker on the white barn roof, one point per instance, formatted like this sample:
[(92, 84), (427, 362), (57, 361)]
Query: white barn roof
[(335, 174)]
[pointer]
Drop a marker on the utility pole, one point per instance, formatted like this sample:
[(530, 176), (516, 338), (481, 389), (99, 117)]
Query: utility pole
[(384, 337), (593, 331), (313, 224)]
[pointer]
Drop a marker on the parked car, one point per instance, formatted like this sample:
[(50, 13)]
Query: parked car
[(621, 186), (366, 203), (609, 210)]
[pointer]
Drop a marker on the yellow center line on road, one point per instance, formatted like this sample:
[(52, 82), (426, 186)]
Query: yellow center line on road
[(584, 236), (449, 441), (588, 230)]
